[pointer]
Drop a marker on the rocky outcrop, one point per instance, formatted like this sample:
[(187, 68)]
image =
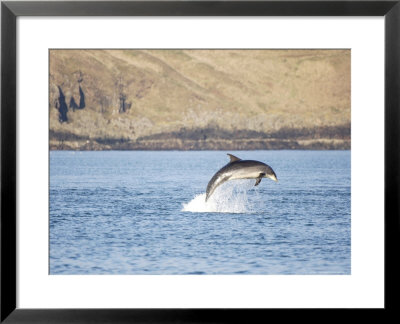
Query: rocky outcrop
[(199, 99)]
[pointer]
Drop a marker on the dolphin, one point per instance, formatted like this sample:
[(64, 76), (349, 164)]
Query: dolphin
[(240, 169)]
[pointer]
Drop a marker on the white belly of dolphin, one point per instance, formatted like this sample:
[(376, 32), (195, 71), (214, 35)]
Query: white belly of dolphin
[(245, 174)]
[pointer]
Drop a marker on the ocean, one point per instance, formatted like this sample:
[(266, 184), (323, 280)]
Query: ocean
[(144, 213)]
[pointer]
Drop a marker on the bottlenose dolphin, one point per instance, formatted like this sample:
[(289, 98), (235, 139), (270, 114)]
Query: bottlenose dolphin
[(240, 169)]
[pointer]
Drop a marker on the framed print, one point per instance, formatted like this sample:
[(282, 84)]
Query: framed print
[(197, 161)]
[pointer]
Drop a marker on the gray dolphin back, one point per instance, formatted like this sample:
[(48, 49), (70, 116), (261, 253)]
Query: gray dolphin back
[(218, 179), (222, 175)]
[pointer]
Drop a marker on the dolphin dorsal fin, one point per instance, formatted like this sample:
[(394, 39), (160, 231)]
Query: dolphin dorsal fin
[(233, 158)]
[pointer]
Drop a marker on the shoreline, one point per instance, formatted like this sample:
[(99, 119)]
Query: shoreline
[(208, 145)]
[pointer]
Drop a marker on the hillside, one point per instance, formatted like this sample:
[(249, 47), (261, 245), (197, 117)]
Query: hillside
[(199, 99)]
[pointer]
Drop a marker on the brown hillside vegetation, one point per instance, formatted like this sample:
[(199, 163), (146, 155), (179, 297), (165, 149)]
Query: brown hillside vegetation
[(199, 99)]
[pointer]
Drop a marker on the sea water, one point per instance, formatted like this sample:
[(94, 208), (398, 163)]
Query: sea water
[(144, 212)]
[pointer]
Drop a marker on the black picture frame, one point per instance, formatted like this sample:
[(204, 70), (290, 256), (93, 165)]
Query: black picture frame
[(10, 10)]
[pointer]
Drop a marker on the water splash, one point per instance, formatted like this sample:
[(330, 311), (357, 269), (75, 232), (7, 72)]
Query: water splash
[(231, 197)]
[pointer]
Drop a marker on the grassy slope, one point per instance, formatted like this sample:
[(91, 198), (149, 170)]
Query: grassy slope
[(255, 90)]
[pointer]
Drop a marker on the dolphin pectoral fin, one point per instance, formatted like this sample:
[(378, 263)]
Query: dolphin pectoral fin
[(258, 179)]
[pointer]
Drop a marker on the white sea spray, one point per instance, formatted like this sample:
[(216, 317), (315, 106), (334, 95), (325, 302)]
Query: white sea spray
[(231, 197)]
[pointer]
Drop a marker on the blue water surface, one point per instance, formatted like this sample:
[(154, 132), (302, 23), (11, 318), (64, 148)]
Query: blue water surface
[(143, 212)]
